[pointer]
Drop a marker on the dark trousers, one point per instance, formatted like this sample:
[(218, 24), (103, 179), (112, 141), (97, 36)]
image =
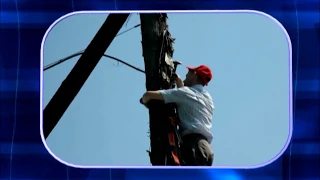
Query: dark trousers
[(196, 151)]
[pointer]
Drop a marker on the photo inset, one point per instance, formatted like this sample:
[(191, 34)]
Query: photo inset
[(229, 80)]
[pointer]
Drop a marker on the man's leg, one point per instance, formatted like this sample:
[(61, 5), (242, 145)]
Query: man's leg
[(205, 153), (196, 151)]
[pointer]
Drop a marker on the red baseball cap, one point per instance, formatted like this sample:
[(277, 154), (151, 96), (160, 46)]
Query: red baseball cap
[(203, 71)]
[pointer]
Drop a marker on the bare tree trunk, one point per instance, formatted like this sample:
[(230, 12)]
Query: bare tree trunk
[(157, 44)]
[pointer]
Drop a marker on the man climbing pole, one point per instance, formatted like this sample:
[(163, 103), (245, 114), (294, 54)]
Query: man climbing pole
[(189, 100), (195, 109)]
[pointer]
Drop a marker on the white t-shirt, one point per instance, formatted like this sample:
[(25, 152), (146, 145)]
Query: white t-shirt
[(195, 108)]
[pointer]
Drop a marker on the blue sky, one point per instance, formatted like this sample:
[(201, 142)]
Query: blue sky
[(106, 125)]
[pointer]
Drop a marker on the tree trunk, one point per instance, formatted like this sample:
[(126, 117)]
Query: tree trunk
[(157, 44)]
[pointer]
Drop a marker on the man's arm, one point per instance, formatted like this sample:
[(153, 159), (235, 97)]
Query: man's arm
[(168, 96), (149, 95)]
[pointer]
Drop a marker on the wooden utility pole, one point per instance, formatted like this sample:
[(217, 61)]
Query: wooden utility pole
[(157, 53), (81, 71)]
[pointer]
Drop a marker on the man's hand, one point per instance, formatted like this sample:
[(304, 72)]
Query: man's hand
[(141, 101), (178, 81), (145, 98)]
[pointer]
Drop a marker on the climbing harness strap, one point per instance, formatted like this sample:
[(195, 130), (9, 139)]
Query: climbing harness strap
[(174, 140)]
